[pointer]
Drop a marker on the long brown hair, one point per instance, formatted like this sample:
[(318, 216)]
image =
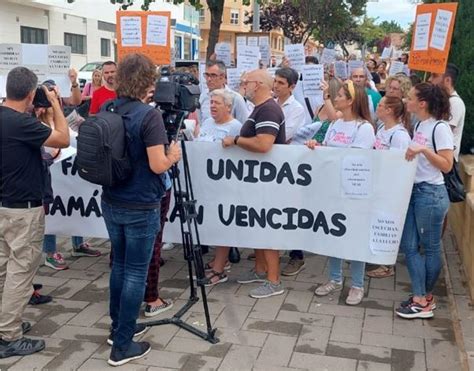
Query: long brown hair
[(437, 100), (135, 74), (399, 110), (360, 101)]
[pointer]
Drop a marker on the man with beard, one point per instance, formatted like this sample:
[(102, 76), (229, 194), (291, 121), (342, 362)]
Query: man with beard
[(107, 91)]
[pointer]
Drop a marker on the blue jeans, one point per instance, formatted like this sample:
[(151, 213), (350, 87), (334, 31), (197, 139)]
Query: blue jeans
[(428, 206), (132, 233), (357, 271), (49, 243)]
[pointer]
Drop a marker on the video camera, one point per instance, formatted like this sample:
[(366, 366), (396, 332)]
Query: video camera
[(178, 91), (40, 100)]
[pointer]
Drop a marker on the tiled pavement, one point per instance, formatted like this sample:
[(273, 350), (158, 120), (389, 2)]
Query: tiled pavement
[(294, 331)]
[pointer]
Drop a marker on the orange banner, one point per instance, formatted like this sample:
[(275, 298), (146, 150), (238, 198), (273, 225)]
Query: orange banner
[(143, 32), (432, 35)]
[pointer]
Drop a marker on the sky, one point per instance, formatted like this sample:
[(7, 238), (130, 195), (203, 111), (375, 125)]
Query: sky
[(401, 11)]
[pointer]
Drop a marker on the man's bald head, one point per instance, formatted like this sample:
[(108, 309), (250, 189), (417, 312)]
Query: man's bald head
[(359, 76), (258, 86), (261, 76)]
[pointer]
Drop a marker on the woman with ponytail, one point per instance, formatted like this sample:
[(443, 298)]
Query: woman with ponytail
[(433, 145)]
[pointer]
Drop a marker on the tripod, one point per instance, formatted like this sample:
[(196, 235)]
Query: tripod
[(192, 249)]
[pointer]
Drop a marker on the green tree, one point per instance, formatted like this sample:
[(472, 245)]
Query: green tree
[(370, 33), (391, 27)]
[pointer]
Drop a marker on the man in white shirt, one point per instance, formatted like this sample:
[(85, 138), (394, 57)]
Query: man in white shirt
[(458, 109), (215, 77), (283, 85)]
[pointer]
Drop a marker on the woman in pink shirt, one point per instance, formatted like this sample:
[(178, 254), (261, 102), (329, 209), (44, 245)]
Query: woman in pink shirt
[(95, 84)]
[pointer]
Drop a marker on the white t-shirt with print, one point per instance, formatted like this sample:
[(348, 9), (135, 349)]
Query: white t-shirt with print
[(354, 134), (396, 137), (423, 135), (213, 132)]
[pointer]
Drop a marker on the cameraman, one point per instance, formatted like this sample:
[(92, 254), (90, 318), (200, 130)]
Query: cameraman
[(132, 210), (21, 206)]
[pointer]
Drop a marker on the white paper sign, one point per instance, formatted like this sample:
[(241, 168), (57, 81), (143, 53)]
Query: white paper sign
[(59, 59), (272, 71), (328, 56), (252, 41), (352, 65), (245, 208), (34, 54), (131, 31), (265, 54), (296, 56), (233, 78), (263, 40), (313, 74), (156, 30), (356, 176), (396, 67), (10, 56), (386, 53), (241, 41), (222, 51), (385, 233), (422, 31), (248, 57), (305, 133), (440, 29), (340, 70)]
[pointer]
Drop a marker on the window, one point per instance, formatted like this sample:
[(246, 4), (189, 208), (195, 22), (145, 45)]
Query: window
[(202, 15), (76, 42), (105, 26), (104, 47), (187, 48), (30, 35), (234, 16), (177, 47)]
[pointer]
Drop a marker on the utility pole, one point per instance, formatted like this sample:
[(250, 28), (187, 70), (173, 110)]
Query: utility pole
[(256, 16)]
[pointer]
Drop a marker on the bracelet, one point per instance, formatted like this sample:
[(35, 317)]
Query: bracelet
[(236, 138), (73, 86)]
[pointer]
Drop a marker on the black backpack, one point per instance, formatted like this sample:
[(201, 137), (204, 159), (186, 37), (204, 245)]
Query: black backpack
[(102, 151)]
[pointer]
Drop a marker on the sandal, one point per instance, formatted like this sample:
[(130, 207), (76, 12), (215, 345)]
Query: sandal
[(381, 272), (207, 266), (221, 278)]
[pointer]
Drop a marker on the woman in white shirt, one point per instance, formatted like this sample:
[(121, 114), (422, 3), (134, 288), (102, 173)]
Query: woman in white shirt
[(429, 199), (353, 130)]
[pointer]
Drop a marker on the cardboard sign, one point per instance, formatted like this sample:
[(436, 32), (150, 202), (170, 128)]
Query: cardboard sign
[(432, 35), (147, 33)]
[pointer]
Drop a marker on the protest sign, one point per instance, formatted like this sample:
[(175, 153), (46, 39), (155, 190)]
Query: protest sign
[(233, 78), (340, 70), (353, 64), (432, 35), (252, 41), (265, 54), (329, 201), (222, 51), (328, 56), (48, 62), (248, 57), (396, 67), (143, 32), (296, 56), (313, 74), (386, 53)]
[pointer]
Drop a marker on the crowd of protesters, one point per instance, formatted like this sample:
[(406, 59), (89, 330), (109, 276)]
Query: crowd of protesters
[(370, 110)]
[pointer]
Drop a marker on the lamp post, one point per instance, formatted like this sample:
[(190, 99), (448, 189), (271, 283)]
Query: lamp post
[(256, 16)]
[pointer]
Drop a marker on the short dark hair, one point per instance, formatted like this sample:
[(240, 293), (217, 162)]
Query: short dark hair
[(436, 98), (311, 59), (289, 74), (109, 63), (452, 71), (217, 63), (20, 82), (135, 74)]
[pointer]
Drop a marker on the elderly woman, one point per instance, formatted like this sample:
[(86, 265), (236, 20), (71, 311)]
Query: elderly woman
[(221, 124)]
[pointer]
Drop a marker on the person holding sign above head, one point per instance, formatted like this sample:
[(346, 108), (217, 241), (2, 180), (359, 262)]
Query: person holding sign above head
[(22, 216), (433, 145), (264, 127), (353, 130), (107, 91), (215, 77)]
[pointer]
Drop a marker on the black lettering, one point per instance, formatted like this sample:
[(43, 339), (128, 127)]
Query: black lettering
[(321, 222), (227, 222), (66, 164), (220, 170), (270, 215), (340, 229), (305, 219), (74, 167), (250, 178), (58, 205), (74, 204), (303, 171), (238, 170), (241, 216), (93, 206), (285, 172), (290, 211), (255, 217), (268, 172)]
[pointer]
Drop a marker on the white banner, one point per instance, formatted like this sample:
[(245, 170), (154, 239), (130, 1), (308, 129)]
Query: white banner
[(348, 203)]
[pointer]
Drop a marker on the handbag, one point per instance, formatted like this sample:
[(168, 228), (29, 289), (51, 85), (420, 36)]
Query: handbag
[(452, 179)]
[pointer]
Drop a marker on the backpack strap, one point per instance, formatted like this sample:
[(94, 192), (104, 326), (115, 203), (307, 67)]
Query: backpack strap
[(308, 106), (433, 136), (393, 134)]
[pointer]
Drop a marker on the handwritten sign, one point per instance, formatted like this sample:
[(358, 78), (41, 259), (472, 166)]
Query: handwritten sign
[(248, 57), (157, 30), (340, 70), (313, 74), (222, 51), (296, 56)]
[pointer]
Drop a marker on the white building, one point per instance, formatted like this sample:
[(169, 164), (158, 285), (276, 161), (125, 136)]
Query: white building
[(88, 26)]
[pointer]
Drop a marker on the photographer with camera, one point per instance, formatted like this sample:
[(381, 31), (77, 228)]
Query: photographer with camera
[(131, 209), (22, 217)]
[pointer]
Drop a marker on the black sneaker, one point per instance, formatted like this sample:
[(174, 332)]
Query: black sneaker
[(25, 327), (134, 351), (139, 329), (20, 347), (430, 301), (415, 310), (37, 286), (37, 298)]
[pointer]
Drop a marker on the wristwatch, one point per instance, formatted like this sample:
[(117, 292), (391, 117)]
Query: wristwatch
[(236, 138)]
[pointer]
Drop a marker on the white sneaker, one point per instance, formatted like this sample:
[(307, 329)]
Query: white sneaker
[(356, 294), (167, 246), (328, 288)]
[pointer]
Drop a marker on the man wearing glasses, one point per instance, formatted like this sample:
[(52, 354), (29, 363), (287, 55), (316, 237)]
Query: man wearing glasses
[(216, 78)]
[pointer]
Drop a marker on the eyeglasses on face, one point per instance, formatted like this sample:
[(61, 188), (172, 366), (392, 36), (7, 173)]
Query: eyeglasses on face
[(212, 76)]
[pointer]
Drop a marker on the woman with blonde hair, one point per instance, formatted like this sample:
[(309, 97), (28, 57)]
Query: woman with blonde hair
[(92, 85)]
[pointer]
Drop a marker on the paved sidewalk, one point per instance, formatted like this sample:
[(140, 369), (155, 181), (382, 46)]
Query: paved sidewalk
[(294, 331)]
